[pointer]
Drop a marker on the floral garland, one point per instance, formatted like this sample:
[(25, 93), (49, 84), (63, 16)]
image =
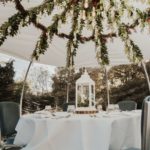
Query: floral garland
[(93, 15)]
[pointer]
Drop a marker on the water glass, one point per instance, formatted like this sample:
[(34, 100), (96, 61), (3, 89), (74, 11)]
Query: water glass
[(110, 108), (116, 107), (71, 109), (99, 108), (48, 107)]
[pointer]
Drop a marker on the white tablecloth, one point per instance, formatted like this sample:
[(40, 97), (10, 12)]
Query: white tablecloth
[(80, 132)]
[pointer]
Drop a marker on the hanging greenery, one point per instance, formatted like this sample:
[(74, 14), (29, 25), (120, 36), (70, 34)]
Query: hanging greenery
[(103, 19)]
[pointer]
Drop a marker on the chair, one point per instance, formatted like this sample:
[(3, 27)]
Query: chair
[(65, 105), (9, 116), (127, 105), (145, 126)]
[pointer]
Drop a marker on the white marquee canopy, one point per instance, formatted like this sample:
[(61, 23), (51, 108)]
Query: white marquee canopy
[(23, 44)]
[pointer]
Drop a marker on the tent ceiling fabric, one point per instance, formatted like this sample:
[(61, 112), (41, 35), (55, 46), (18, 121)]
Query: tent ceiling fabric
[(23, 44)]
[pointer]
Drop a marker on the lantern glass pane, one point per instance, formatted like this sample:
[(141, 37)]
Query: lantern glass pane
[(86, 91), (92, 95), (92, 88), (83, 96), (78, 93)]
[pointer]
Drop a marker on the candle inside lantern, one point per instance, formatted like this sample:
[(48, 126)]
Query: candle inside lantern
[(86, 4)]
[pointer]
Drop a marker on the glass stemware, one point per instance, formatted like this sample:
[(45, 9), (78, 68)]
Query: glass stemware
[(116, 107), (113, 108), (99, 108), (71, 109)]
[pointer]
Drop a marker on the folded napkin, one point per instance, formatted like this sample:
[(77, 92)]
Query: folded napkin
[(42, 114), (47, 114), (112, 114), (58, 115)]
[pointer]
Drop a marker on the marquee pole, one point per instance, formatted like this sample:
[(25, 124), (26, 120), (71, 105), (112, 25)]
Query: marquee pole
[(23, 87), (146, 74), (107, 86)]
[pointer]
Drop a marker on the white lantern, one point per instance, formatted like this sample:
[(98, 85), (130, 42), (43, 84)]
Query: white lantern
[(85, 91)]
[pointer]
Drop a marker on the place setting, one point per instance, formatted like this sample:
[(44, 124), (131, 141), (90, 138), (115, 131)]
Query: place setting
[(50, 113)]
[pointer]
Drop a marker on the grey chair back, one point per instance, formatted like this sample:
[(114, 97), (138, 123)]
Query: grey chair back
[(145, 124), (127, 105), (9, 116)]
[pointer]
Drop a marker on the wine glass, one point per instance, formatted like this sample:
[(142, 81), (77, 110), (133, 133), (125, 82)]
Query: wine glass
[(48, 107), (71, 109), (110, 108), (99, 108), (116, 107)]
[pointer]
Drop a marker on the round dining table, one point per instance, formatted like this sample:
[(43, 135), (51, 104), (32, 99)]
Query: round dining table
[(66, 131)]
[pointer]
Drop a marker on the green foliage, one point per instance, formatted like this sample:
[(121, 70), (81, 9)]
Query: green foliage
[(7, 82), (100, 42), (41, 46), (128, 82), (11, 27), (63, 78), (11, 91), (85, 104), (73, 42), (34, 103), (131, 49), (18, 89), (46, 7), (96, 16)]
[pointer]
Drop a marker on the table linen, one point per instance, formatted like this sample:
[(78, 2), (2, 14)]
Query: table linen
[(112, 131)]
